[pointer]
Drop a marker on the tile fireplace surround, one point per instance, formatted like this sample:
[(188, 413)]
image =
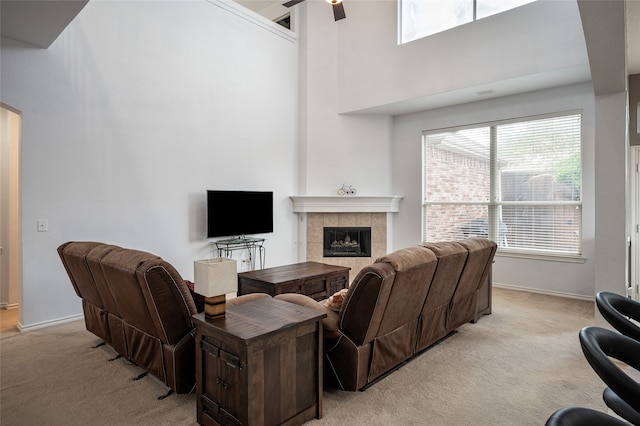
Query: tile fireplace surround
[(317, 212)]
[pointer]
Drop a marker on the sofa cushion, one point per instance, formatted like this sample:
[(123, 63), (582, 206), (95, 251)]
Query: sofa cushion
[(94, 262), (334, 302), (329, 323), (73, 256), (234, 301), (464, 302), (198, 299), (407, 258), (395, 336)]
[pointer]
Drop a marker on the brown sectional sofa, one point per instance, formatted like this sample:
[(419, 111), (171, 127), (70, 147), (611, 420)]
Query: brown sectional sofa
[(395, 308), (139, 305), (399, 306)]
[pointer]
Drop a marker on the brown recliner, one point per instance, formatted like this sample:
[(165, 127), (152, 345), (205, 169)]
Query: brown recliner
[(113, 315), (463, 266), (435, 312), (138, 304), (374, 331), (95, 314), (401, 304), (476, 270), (395, 339)]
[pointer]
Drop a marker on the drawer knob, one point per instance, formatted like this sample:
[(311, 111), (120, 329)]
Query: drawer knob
[(224, 384)]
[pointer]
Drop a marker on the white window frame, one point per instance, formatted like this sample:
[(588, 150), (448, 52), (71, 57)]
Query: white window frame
[(473, 17), (494, 204)]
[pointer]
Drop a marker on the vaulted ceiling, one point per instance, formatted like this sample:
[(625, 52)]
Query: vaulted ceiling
[(273, 8), (40, 22), (37, 22)]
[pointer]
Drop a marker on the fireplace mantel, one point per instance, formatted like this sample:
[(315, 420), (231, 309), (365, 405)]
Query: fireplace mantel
[(346, 204)]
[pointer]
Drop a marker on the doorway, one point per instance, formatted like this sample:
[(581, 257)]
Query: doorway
[(10, 241)]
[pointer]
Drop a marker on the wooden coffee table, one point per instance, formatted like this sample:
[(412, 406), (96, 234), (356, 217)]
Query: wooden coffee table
[(317, 280)]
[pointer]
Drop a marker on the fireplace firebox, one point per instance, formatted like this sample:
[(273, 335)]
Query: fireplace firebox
[(347, 242)]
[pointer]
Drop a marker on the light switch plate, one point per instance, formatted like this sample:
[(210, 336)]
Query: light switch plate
[(43, 226)]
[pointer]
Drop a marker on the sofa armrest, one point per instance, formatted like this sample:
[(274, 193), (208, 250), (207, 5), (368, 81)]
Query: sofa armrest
[(329, 323), (198, 299), (238, 300)]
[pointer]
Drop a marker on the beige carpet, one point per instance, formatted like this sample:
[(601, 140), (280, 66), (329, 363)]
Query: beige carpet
[(514, 367)]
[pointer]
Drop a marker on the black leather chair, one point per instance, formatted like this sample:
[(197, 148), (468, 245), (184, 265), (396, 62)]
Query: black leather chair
[(619, 406), (619, 311), (579, 416), (599, 345)]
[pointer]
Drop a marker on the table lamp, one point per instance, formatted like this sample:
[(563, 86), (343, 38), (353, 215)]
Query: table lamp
[(214, 278)]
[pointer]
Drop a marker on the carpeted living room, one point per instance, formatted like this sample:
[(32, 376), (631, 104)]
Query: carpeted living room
[(515, 366), (120, 119)]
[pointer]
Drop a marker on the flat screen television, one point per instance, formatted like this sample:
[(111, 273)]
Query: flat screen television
[(239, 213)]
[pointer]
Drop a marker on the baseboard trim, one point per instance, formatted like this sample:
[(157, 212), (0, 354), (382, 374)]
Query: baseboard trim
[(58, 321), (547, 292), (44, 324)]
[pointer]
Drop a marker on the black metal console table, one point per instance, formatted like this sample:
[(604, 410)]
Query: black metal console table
[(252, 245)]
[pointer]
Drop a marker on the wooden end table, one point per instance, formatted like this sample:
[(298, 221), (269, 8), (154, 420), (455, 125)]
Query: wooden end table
[(317, 280), (259, 364)]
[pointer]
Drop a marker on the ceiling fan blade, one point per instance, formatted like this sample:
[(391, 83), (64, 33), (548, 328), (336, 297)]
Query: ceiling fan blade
[(292, 3), (338, 11)]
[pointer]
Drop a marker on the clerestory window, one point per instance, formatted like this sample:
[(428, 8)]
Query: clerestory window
[(516, 182), (421, 18)]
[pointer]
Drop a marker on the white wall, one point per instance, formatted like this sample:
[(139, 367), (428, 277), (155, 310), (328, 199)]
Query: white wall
[(540, 39), (139, 107), (610, 190), (334, 148), (548, 276), (136, 110), (368, 69)]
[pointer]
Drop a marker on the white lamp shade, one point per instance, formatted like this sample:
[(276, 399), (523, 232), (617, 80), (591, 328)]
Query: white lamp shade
[(215, 277)]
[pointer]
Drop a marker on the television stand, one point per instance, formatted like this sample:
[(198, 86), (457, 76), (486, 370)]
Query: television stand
[(252, 245)]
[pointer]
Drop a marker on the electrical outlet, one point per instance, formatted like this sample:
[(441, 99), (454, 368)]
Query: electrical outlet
[(43, 226)]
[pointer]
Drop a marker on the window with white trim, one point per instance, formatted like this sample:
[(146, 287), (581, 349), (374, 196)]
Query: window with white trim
[(515, 182), (421, 18)]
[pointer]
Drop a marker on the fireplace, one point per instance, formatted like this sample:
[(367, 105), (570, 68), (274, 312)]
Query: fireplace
[(346, 242), (318, 212)]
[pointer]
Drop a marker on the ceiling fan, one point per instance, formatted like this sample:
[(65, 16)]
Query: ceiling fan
[(338, 7)]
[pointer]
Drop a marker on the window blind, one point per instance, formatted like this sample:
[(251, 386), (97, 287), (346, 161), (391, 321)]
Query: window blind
[(517, 183)]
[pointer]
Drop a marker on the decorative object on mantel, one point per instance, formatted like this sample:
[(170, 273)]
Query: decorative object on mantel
[(347, 190), (214, 278)]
